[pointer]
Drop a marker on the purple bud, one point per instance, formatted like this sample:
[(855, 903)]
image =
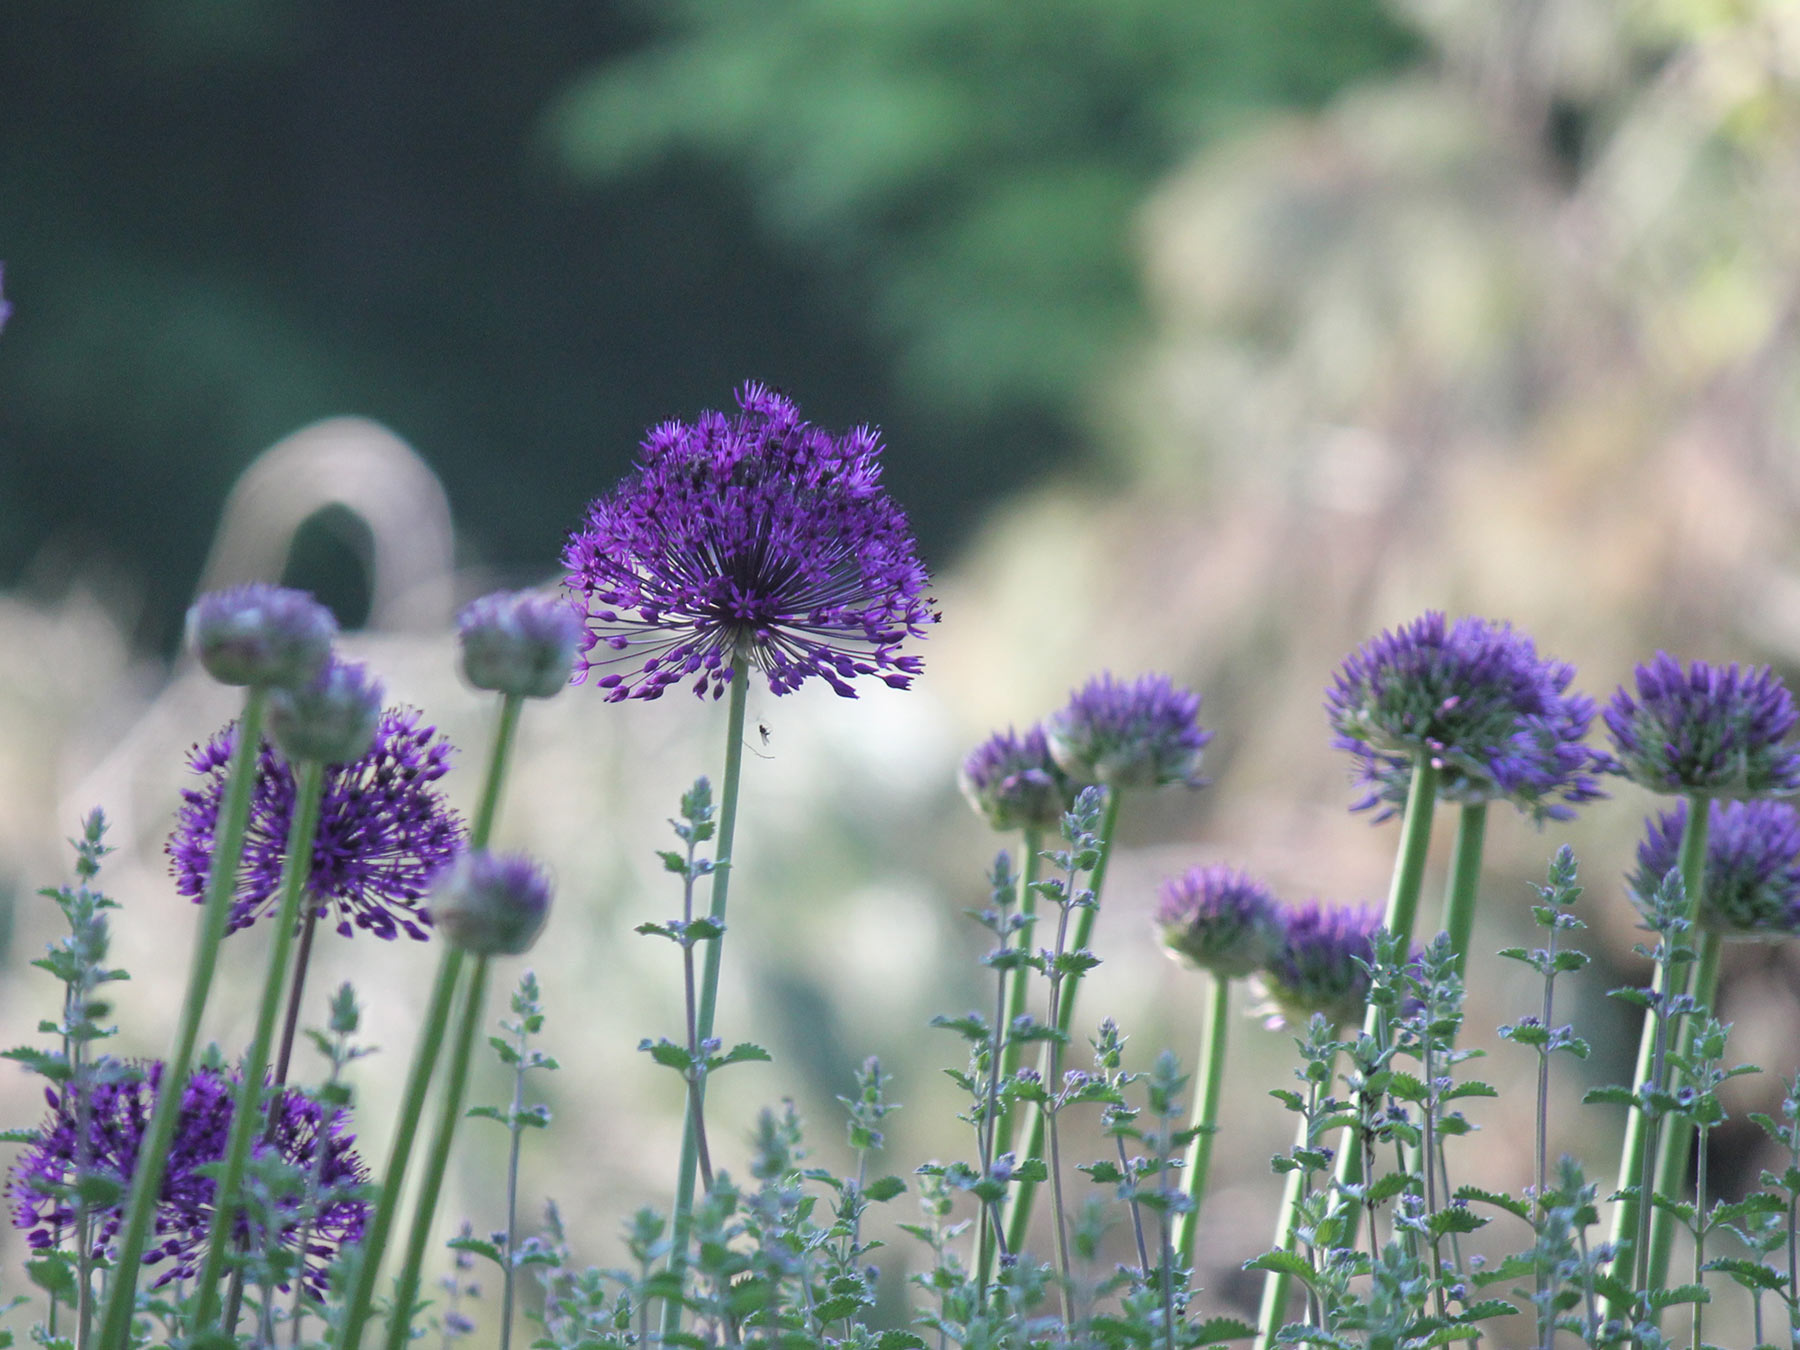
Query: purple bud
[(267, 636), (491, 904), (330, 721), (1219, 920), (519, 642), (1129, 735), (1014, 783)]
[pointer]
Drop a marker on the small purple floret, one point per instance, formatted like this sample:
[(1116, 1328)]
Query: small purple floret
[(1219, 920), (384, 830), (1136, 734), (1707, 730), (1317, 969), (519, 642), (267, 636), (1014, 783), (1752, 887), (1497, 720), (756, 535)]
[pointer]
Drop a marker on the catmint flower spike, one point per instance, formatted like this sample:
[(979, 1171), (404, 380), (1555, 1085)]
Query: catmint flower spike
[(332, 720), (519, 642), (260, 635), (491, 904)]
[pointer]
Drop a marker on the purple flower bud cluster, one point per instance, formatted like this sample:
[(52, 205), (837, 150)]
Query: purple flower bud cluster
[(1014, 783), (1711, 730), (1319, 967), (261, 635), (384, 829), (1752, 887), (116, 1116), (756, 537), (491, 904), (519, 642), (331, 720), (1497, 720), (1129, 734), (1220, 921)]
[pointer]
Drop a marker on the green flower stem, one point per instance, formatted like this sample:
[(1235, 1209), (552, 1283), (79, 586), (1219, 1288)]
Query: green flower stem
[(425, 1054), (1692, 862), (1019, 982), (246, 1110), (1272, 1312), (683, 1220), (1207, 1091), (1025, 1192), (221, 882), (1465, 880), (431, 1180), (290, 1024)]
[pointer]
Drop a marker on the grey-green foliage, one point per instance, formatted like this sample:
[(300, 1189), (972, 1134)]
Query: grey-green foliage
[(969, 167)]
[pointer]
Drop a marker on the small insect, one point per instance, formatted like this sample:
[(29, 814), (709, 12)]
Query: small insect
[(762, 732)]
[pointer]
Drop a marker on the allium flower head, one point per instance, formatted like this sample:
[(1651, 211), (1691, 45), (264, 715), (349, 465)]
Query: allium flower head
[(1315, 969), (756, 533), (1716, 730), (1012, 780), (1752, 886), (1497, 720), (330, 721), (117, 1114), (519, 642), (491, 904), (384, 829), (1141, 733), (261, 635), (1219, 920)]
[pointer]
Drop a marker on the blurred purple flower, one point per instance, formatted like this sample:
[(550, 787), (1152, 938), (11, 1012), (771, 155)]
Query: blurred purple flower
[(1317, 966), (756, 532), (1144, 733), (1709, 730), (384, 830), (519, 642), (1752, 886), (1014, 783), (1219, 920)]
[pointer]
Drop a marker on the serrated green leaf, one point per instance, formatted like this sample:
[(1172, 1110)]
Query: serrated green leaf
[(1407, 1088), (1387, 1186), (1750, 1274), (897, 1339), (478, 1247), (1518, 1208), (885, 1189), (1102, 1172), (1032, 1170), (1610, 1095), (742, 1053), (666, 1052), (1483, 1309), (1470, 1087), (1454, 1220), (1659, 1299), (1217, 1330), (1283, 1263)]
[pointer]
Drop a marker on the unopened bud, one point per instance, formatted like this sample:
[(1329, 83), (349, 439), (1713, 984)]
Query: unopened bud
[(519, 642), (330, 721), (491, 904), (261, 635)]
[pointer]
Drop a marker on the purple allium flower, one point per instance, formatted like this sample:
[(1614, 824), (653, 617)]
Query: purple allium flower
[(1315, 968), (1752, 886), (384, 831), (758, 533), (1495, 717), (1129, 735), (5, 308), (1012, 781), (261, 635), (1219, 920), (117, 1115), (519, 642), (1717, 730), (491, 904), (330, 721)]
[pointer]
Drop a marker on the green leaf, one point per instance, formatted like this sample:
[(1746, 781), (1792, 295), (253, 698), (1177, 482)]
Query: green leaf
[(1472, 1087), (1681, 1293), (54, 1272), (1215, 1330), (885, 1189), (741, 1053), (1032, 1170), (1454, 1220), (1483, 1309), (897, 1339), (1407, 1088), (1102, 1172), (1750, 1274), (478, 1247), (831, 1309), (1283, 1263), (1388, 1185), (1610, 1095), (668, 1053)]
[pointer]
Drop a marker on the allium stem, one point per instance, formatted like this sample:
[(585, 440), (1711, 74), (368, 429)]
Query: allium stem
[(290, 1025), (683, 1219), (1208, 1089), (1692, 862), (1465, 880), (1018, 985), (1272, 1313), (431, 1180), (1025, 1192), (146, 1184), (246, 1110)]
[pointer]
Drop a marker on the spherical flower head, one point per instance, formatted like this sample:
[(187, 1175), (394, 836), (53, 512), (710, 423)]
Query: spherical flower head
[(1497, 720), (1752, 887), (519, 642), (384, 829), (755, 537), (116, 1116), (1136, 734), (1013, 781), (330, 721), (1707, 730), (261, 635), (1316, 967), (491, 904), (1220, 921)]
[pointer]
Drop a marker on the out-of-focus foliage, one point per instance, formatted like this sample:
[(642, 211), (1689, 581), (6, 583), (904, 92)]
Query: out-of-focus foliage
[(968, 168)]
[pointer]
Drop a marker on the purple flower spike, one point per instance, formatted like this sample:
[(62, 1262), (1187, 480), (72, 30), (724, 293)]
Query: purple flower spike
[(384, 831), (1141, 734), (519, 642), (1496, 719), (1709, 730), (1013, 782), (117, 1115), (1220, 921), (758, 535), (1316, 968), (1752, 885)]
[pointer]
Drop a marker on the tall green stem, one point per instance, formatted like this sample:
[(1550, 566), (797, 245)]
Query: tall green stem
[(683, 1219), (1692, 862), (246, 1110), (1465, 880), (1019, 982), (1207, 1091), (425, 1055), (431, 1180), (221, 882), (1025, 1192)]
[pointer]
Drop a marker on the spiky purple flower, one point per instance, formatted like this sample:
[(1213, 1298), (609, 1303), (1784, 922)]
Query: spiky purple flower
[(269, 636), (1317, 968), (1141, 733), (758, 535), (1497, 720), (1220, 920), (519, 642), (384, 830), (1012, 780), (1752, 886), (116, 1115), (1710, 730)]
